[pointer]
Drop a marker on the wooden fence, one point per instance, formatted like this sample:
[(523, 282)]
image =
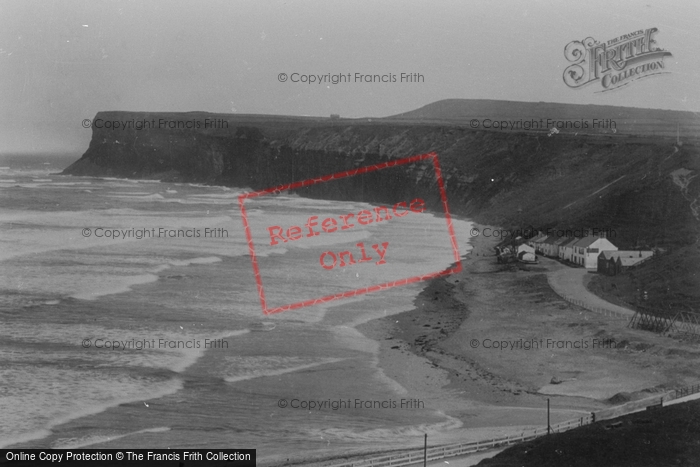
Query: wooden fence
[(684, 325), (686, 391), (652, 323), (415, 456), (687, 324), (603, 311)]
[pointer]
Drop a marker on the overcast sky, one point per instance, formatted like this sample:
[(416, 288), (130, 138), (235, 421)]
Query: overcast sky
[(63, 61)]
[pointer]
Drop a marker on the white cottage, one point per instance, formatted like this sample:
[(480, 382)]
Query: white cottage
[(525, 252), (557, 246), (536, 240), (587, 249), (547, 246), (566, 249)]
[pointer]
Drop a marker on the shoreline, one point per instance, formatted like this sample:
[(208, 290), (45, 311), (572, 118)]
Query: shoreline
[(421, 349), (425, 350), (408, 344)]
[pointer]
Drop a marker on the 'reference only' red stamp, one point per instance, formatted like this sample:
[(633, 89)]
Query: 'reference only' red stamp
[(316, 227)]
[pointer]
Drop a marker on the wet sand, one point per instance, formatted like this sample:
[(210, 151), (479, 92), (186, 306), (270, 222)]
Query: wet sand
[(427, 351)]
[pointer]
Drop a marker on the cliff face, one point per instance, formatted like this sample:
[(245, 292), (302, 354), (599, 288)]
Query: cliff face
[(644, 190), (631, 185)]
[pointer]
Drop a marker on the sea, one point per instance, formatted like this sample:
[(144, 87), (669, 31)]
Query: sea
[(113, 338)]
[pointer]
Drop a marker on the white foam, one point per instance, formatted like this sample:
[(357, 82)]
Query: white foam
[(388, 435), (74, 443), (68, 183), (112, 285), (247, 368), (271, 251), (130, 193), (150, 197), (97, 286), (89, 394), (187, 262), (233, 195), (8, 439), (59, 395), (40, 232)]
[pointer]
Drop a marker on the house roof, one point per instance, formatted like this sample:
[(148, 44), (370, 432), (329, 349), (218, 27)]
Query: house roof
[(588, 241), (635, 253), (550, 240), (585, 241), (607, 254), (626, 254), (569, 241), (561, 240), (630, 261)]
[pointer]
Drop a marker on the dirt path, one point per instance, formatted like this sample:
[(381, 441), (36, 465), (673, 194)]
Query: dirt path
[(571, 282)]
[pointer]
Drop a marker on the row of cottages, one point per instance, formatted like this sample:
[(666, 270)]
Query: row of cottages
[(566, 249), (582, 251), (616, 262)]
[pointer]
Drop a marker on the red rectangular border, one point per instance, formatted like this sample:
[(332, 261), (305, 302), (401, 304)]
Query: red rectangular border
[(348, 173)]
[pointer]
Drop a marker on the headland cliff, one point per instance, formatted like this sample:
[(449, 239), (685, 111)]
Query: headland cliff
[(640, 185)]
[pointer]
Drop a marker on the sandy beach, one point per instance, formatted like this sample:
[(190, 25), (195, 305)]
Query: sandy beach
[(445, 351)]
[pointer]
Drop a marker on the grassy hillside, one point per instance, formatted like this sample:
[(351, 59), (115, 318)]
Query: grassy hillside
[(663, 437), (666, 284), (629, 120)]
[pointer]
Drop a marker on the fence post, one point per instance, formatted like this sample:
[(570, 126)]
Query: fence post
[(425, 451)]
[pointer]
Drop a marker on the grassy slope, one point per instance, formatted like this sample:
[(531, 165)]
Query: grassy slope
[(663, 437), (671, 283), (629, 120)]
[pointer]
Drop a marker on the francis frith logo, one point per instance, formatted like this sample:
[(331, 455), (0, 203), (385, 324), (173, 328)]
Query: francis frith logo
[(614, 63)]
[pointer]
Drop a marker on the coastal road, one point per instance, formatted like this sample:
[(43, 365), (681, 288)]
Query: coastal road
[(571, 282)]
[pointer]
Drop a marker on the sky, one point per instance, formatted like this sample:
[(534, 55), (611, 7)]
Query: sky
[(63, 61)]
